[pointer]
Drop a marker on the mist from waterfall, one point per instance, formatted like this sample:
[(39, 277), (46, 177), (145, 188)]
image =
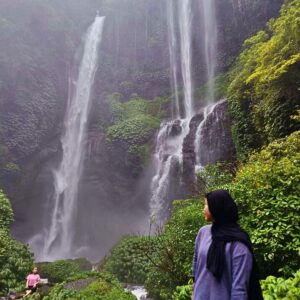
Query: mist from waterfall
[(58, 239)]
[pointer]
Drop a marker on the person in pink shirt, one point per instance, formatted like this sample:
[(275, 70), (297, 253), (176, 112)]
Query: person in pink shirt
[(32, 281)]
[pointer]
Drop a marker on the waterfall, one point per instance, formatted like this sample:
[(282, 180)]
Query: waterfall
[(58, 238), (172, 43), (208, 13), (200, 136), (210, 45), (167, 158), (185, 24), (169, 162)]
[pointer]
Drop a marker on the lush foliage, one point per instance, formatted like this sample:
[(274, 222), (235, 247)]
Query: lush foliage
[(183, 292), (267, 190), (264, 90), (104, 287), (15, 259), (61, 270), (134, 124), (130, 259), (6, 213), (280, 288), (172, 260), (214, 175)]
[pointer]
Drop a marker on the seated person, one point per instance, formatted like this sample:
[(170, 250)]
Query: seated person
[(32, 281)]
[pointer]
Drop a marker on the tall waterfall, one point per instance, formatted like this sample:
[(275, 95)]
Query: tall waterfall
[(210, 45), (59, 237), (185, 25), (168, 153), (172, 42), (210, 53), (168, 157)]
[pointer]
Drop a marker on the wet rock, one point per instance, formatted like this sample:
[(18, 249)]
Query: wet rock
[(175, 129), (217, 144), (188, 154)]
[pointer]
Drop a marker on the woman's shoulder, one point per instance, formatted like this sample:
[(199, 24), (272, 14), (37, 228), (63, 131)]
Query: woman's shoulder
[(205, 229), (240, 248)]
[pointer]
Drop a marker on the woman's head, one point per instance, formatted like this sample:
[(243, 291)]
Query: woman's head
[(221, 207), (34, 270)]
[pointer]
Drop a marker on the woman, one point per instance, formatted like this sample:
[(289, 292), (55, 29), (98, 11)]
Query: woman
[(224, 267), (32, 281)]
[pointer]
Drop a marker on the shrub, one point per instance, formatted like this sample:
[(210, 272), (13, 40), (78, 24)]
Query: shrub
[(280, 288), (61, 270), (172, 260), (183, 292), (129, 260), (267, 190), (105, 287), (15, 258)]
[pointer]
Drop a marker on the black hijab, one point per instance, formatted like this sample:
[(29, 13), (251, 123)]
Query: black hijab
[(225, 229)]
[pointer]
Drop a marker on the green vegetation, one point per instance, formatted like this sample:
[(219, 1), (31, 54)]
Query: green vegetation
[(133, 126), (172, 260), (280, 288), (61, 270), (15, 259), (130, 260), (104, 287), (183, 292), (264, 90), (267, 190)]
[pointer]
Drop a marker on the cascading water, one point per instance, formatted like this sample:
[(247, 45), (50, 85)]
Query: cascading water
[(59, 237), (172, 43), (185, 24), (210, 53), (200, 134), (169, 161), (168, 152), (210, 45)]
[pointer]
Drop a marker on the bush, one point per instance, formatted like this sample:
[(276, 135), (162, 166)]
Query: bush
[(15, 258), (183, 292), (128, 139), (267, 190), (214, 175), (172, 260), (280, 288), (105, 287), (129, 260), (61, 270)]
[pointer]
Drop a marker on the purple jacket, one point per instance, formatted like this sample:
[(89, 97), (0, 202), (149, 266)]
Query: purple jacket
[(235, 280)]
